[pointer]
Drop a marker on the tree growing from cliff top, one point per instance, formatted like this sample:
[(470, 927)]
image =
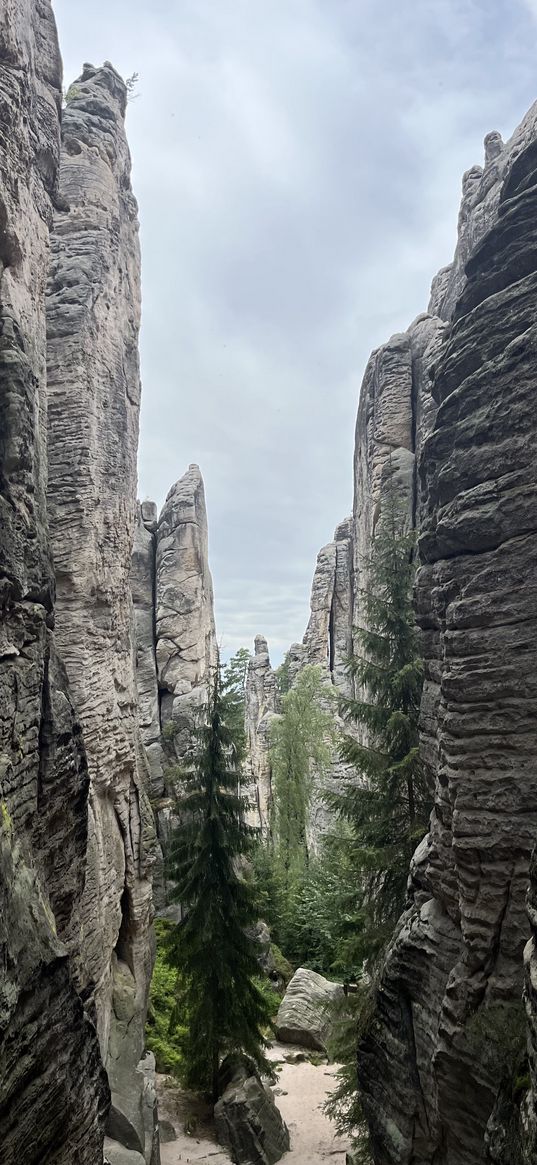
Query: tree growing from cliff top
[(212, 948), (300, 745), (388, 806)]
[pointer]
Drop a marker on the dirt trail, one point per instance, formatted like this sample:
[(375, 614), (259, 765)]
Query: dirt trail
[(300, 1093)]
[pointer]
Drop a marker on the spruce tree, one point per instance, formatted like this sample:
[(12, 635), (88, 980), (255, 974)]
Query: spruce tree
[(388, 806), (212, 948)]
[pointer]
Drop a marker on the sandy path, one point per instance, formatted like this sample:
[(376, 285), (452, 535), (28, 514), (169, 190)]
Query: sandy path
[(300, 1093)]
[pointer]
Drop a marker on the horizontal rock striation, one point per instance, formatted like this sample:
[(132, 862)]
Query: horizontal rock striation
[(53, 1090), (93, 307), (261, 706), (453, 976), (143, 587), (185, 627)]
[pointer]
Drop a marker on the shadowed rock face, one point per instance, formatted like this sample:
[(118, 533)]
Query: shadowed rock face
[(94, 393), (458, 951), (143, 585), (53, 1091)]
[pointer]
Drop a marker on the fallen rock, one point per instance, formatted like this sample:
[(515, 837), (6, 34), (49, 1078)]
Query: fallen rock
[(167, 1132), (116, 1154), (304, 1016), (248, 1123)]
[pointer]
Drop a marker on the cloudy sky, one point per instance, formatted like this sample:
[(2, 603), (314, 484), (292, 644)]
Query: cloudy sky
[(298, 167)]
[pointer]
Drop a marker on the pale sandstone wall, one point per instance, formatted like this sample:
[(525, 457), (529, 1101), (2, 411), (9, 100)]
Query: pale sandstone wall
[(53, 1091), (93, 309)]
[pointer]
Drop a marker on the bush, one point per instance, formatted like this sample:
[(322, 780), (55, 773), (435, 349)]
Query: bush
[(162, 1036)]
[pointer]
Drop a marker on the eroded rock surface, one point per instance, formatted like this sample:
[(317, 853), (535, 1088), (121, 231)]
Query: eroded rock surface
[(247, 1121), (93, 307), (143, 586), (305, 1013), (455, 965), (185, 628), (261, 706), (53, 1091)]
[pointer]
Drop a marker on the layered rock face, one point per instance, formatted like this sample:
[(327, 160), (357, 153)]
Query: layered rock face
[(53, 1090), (94, 394), (143, 586), (261, 705), (428, 1077), (186, 650), (175, 643)]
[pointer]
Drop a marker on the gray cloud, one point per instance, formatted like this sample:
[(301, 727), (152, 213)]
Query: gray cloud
[(298, 168)]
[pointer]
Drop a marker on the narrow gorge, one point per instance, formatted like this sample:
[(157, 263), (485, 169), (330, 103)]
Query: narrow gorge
[(109, 647)]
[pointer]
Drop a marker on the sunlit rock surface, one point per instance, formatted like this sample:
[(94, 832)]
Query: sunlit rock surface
[(185, 628), (93, 308), (53, 1090)]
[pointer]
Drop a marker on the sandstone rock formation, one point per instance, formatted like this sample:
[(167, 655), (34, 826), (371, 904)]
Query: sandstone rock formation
[(454, 970), (175, 644), (305, 1013), (185, 628), (143, 587), (94, 394), (51, 1077), (248, 1123), (261, 705)]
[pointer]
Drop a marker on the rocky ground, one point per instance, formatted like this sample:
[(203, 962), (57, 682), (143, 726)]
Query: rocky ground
[(300, 1093)]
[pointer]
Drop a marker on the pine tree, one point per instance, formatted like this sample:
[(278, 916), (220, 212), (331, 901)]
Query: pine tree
[(234, 676), (212, 948), (389, 804)]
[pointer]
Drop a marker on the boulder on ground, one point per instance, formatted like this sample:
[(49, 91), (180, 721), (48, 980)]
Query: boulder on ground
[(116, 1154), (305, 1013), (248, 1123)]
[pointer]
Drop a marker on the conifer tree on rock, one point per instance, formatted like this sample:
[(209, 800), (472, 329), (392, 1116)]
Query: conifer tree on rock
[(389, 805), (221, 1007)]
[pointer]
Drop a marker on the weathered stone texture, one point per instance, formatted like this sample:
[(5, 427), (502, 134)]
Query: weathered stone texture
[(247, 1121), (185, 628), (459, 949), (53, 1092), (261, 706), (305, 1014), (143, 586), (94, 394), (481, 191)]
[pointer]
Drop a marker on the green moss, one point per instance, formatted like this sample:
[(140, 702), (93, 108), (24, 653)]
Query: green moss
[(73, 92), (282, 965), (5, 817)]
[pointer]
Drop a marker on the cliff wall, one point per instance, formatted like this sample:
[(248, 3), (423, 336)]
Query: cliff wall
[(448, 1005), (53, 1090), (93, 306)]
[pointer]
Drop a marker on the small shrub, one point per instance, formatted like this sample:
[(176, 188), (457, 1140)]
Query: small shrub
[(162, 1038)]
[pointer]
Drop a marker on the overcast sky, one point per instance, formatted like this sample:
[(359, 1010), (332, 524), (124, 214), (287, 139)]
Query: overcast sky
[(298, 167)]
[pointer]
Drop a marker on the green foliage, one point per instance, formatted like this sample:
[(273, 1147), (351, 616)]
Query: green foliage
[(351, 1016), (496, 1035), (388, 806), (300, 744), (168, 731), (497, 1038), (234, 676), (282, 674), (211, 948), (162, 1036), (282, 966), (271, 997)]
